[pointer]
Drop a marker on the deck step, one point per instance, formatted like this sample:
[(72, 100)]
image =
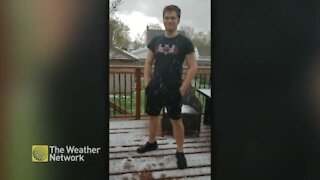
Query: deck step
[(133, 148), (200, 173), (158, 153), (134, 165)]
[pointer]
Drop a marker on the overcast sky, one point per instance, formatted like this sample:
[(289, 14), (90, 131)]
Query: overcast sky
[(138, 13)]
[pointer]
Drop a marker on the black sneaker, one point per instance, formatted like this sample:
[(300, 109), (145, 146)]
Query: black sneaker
[(181, 160), (147, 147)]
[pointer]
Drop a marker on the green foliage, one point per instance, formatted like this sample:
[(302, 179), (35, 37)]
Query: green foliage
[(119, 33), (200, 39)]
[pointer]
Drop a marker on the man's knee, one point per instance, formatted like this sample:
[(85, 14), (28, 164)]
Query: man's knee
[(153, 118), (176, 122)]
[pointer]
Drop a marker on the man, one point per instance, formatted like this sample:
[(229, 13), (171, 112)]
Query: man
[(165, 87)]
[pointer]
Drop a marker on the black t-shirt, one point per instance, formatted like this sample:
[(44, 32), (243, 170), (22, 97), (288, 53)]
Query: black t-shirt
[(169, 54)]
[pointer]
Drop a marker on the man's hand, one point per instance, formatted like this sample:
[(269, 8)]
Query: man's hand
[(146, 85), (182, 91)]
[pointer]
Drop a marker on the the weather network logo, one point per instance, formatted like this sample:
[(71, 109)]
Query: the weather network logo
[(40, 153), (53, 153)]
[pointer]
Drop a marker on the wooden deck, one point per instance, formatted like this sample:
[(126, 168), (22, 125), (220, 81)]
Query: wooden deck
[(126, 163)]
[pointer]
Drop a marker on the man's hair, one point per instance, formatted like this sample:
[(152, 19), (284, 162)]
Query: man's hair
[(172, 8)]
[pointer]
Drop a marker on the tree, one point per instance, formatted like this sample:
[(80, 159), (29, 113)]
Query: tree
[(139, 42), (114, 6), (120, 33), (140, 38), (200, 39), (189, 31)]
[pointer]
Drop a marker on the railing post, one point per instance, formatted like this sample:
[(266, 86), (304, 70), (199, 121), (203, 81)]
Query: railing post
[(138, 92)]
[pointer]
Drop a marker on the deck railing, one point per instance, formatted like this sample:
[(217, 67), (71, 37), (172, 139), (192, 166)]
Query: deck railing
[(126, 89)]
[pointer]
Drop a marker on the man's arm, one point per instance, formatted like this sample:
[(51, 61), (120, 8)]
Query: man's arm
[(148, 67), (192, 70)]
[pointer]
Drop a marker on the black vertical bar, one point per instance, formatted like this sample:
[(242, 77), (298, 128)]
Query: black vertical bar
[(138, 90), (114, 91), (125, 91), (203, 80), (131, 97), (195, 83), (195, 80), (119, 94), (207, 81)]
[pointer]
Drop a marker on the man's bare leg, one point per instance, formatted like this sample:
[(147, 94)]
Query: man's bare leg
[(151, 143), (153, 127), (178, 133)]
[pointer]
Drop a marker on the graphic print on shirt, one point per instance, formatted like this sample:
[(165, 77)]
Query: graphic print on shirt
[(167, 49)]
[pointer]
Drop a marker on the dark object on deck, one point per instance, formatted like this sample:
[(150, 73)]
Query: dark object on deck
[(191, 114)]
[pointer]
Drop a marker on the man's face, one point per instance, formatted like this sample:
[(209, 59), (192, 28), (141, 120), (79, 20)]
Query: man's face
[(171, 20)]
